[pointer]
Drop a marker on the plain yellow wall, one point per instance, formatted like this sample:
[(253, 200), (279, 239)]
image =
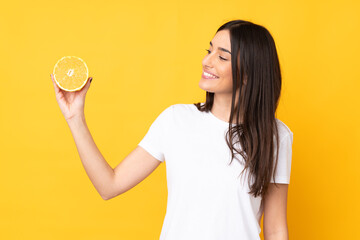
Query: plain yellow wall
[(144, 56)]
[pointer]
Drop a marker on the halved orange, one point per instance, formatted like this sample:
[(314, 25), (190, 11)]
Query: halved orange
[(71, 73)]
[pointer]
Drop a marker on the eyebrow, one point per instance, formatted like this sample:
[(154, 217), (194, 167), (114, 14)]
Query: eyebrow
[(222, 49)]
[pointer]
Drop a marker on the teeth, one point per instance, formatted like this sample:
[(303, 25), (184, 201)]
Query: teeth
[(209, 75)]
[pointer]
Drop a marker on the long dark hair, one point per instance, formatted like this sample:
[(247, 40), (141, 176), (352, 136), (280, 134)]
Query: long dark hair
[(256, 63)]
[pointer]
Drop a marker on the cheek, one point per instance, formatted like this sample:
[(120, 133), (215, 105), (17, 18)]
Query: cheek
[(228, 77), (226, 73), (229, 72)]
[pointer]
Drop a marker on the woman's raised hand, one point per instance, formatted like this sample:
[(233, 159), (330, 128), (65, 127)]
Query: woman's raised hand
[(71, 103)]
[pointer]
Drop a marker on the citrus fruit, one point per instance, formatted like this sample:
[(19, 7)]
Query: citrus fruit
[(71, 73)]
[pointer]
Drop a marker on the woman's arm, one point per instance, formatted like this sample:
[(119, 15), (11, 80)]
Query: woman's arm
[(107, 181), (110, 182), (275, 206), (98, 170)]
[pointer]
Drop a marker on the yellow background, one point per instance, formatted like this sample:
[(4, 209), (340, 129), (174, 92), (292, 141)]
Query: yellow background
[(144, 56)]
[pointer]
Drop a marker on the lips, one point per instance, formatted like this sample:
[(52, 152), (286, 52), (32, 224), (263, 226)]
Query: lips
[(210, 73)]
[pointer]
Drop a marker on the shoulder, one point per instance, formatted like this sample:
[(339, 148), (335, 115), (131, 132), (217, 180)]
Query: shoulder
[(186, 114), (284, 130), (184, 108), (174, 115), (179, 109)]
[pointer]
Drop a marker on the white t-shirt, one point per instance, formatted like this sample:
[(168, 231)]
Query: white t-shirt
[(206, 199)]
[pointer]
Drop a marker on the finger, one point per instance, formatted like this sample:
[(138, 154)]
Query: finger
[(52, 79), (88, 83), (57, 89), (86, 87), (55, 85)]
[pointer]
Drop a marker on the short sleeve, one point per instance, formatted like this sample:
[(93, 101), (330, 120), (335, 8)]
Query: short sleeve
[(153, 141), (282, 174)]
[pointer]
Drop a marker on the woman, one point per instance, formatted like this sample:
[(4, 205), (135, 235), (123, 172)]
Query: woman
[(207, 199)]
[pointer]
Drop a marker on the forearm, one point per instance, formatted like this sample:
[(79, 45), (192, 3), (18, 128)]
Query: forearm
[(96, 167)]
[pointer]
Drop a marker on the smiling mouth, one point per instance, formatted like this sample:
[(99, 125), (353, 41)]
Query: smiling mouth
[(208, 76)]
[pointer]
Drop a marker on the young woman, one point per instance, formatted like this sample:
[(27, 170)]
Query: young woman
[(228, 159)]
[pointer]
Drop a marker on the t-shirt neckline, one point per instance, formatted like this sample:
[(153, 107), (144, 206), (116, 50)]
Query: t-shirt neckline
[(222, 122), (218, 119)]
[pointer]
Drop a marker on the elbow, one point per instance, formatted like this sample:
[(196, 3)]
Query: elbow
[(111, 194), (105, 197), (108, 196)]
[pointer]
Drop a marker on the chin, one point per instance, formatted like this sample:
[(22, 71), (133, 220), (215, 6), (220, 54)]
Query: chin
[(206, 87)]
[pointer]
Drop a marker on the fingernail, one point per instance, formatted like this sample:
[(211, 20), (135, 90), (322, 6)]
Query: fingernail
[(90, 79)]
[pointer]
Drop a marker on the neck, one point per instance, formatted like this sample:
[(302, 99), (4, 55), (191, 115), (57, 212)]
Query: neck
[(222, 107)]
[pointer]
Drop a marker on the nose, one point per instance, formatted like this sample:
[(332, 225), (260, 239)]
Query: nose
[(208, 61)]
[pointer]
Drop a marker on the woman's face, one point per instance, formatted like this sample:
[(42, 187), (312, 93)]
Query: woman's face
[(218, 63)]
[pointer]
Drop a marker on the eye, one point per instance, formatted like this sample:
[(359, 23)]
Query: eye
[(219, 56)]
